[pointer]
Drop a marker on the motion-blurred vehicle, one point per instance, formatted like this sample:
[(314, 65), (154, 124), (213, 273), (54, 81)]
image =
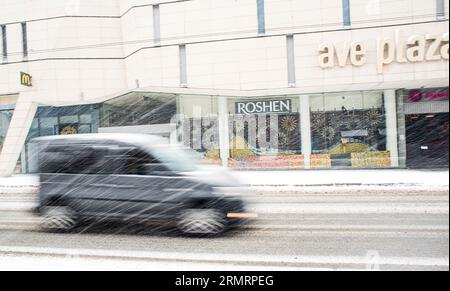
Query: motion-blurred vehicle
[(133, 178)]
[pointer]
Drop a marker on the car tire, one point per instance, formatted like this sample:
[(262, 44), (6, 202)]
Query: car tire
[(58, 218), (201, 222)]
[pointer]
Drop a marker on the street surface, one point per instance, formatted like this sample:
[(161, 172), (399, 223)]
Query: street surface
[(317, 228)]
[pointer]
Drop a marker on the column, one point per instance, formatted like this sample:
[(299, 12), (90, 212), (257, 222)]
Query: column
[(391, 126), (17, 133), (305, 127), (401, 128), (173, 137), (224, 139)]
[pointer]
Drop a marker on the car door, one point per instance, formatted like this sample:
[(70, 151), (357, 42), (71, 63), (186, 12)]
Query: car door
[(64, 170), (146, 189), (92, 184), (127, 183)]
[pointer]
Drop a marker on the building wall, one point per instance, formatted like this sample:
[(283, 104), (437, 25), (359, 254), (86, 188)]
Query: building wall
[(84, 52)]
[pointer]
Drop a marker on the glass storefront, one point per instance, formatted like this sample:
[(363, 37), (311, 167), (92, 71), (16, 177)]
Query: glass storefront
[(318, 131), (347, 129), (426, 127)]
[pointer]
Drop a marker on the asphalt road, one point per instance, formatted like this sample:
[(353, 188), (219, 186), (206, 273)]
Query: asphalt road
[(384, 229)]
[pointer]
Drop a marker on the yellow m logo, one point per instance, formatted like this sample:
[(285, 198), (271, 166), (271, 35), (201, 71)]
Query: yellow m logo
[(25, 79)]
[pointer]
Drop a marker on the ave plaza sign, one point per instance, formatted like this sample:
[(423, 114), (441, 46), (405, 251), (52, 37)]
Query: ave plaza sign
[(401, 49)]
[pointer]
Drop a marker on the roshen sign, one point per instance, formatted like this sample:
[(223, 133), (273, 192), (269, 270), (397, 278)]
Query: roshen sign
[(266, 106), (401, 49)]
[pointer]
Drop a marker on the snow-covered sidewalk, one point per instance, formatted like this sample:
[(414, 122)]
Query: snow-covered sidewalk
[(19, 184), (416, 178), (381, 177)]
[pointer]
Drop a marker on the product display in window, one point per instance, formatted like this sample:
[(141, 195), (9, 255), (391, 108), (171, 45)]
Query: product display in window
[(349, 130)]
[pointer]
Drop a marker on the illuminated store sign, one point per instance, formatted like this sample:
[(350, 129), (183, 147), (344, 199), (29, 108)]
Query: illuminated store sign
[(424, 95)]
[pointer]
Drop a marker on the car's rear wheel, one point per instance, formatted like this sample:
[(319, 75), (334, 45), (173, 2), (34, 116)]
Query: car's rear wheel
[(202, 222), (58, 218)]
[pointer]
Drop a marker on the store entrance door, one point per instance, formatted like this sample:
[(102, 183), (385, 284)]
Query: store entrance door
[(427, 140)]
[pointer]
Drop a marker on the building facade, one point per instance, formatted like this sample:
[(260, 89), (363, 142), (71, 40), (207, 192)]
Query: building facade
[(246, 83)]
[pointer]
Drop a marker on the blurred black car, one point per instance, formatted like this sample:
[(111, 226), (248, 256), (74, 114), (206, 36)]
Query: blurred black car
[(132, 178)]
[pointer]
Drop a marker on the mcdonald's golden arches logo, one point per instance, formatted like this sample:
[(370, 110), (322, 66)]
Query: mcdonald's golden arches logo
[(25, 79)]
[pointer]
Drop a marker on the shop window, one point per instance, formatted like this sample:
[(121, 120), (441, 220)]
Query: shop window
[(48, 126), (265, 133), (5, 119), (201, 135), (276, 134), (198, 126), (61, 121), (138, 109), (348, 130)]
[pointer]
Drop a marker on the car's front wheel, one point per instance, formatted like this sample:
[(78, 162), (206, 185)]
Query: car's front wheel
[(202, 222), (58, 218)]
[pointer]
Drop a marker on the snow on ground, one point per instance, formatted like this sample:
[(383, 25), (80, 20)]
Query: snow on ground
[(19, 181), (289, 179), (29, 258), (344, 177), (69, 263)]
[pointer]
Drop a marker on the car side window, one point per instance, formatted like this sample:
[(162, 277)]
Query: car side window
[(138, 162), (66, 159), (75, 159), (91, 159)]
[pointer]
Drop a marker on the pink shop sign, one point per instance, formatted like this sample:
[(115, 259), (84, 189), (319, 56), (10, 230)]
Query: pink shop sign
[(415, 96)]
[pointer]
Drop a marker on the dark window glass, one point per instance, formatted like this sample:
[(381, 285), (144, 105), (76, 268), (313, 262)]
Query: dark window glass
[(24, 39), (72, 159), (4, 43), (137, 162), (440, 9), (138, 109), (156, 24), (261, 16), (346, 12)]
